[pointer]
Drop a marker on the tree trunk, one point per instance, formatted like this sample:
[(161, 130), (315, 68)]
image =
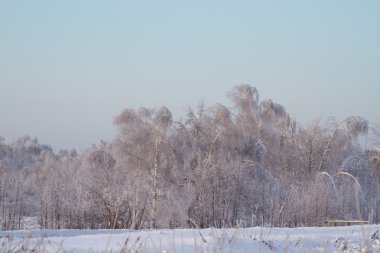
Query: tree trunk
[(154, 182)]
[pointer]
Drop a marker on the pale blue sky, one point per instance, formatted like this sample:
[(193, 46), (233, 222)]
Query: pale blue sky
[(68, 67)]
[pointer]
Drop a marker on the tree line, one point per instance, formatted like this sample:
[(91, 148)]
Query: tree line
[(246, 165)]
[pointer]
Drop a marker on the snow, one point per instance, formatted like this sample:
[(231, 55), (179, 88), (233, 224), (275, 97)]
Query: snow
[(258, 239)]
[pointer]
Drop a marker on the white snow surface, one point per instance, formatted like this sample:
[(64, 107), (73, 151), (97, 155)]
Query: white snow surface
[(258, 239)]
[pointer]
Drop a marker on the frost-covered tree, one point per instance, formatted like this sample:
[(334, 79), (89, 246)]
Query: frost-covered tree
[(245, 165)]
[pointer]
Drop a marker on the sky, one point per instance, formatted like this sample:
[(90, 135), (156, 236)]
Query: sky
[(67, 68)]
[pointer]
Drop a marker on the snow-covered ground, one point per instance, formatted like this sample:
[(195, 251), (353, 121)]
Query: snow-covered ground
[(307, 239)]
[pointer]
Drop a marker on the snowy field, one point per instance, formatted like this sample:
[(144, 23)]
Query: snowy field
[(335, 239)]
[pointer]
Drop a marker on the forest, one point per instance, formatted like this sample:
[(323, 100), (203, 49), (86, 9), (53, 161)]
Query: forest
[(248, 164)]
